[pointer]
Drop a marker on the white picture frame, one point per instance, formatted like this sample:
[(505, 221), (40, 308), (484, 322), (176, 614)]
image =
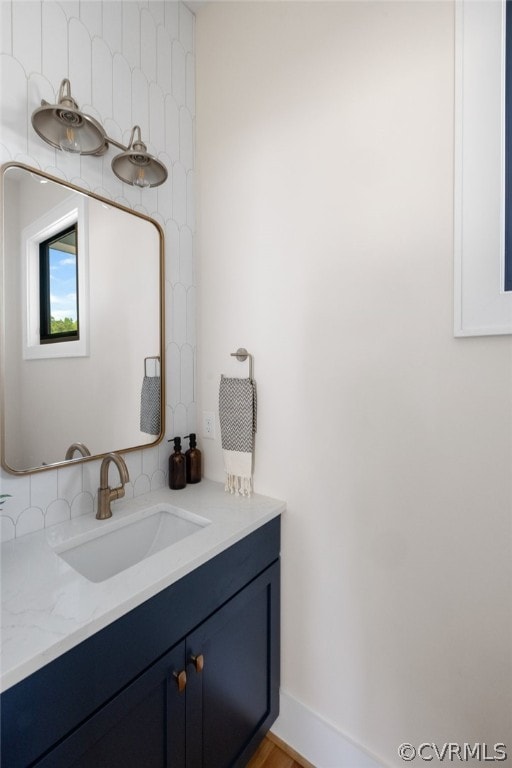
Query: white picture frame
[(481, 305)]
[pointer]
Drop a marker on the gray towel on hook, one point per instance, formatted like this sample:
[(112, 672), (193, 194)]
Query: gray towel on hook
[(237, 415), (150, 405)]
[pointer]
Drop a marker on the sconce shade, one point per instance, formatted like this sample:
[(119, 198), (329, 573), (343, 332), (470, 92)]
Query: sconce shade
[(64, 126), (136, 166)]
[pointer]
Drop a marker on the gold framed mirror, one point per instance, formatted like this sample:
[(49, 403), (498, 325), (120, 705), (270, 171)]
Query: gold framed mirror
[(88, 379)]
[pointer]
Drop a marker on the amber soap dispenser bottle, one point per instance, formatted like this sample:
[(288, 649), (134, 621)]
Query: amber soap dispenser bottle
[(177, 467), (193, 460)]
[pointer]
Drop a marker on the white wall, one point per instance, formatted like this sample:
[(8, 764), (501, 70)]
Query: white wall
[(129, 63), (325, 204)]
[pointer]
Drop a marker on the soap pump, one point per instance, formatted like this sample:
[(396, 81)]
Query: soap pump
[(177, 468), (193, 460)]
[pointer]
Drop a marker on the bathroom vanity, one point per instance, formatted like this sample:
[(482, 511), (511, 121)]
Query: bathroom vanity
[(173, 661)]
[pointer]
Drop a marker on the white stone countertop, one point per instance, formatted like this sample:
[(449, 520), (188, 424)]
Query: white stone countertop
[(48, 607)]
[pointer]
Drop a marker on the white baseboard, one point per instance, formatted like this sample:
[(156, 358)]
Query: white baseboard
[(316, 740)]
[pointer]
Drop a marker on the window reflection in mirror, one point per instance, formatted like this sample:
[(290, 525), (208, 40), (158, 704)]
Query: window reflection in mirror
[(58, 287)]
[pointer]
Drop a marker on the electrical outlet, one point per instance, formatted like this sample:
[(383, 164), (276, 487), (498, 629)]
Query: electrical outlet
[(209, 424)]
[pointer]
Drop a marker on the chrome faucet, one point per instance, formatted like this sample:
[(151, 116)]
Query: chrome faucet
[(80, 447), (105, 493)]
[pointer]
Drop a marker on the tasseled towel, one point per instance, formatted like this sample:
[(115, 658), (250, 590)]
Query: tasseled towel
[(237, 414)]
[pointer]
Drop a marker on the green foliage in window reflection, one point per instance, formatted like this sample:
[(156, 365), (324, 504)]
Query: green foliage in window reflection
[(62, 326)]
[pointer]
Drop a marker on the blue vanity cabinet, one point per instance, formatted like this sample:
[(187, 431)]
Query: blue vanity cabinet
[(232, 701), (218, 627), (143, 726)]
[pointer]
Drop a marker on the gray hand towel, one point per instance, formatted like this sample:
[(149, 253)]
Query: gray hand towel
[(150, 405), (237, 415)]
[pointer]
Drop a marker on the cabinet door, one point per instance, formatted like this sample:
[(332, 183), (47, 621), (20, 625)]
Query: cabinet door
[(233, 699), (144, 725)]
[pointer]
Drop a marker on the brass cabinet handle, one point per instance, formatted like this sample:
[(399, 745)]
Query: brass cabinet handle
[(198, 662), (181, 680)]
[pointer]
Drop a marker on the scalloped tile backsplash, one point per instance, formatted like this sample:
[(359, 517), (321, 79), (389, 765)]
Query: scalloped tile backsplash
[(129, 63)]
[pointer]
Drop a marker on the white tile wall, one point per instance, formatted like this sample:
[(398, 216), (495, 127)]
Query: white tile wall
[(129, 63)]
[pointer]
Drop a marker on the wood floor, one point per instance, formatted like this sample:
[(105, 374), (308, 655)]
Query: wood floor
[(272, 753)]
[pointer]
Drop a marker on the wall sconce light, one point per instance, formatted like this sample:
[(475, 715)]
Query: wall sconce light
[(64, 126)]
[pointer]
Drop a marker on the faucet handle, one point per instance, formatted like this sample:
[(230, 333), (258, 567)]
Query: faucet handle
[(116, 493)]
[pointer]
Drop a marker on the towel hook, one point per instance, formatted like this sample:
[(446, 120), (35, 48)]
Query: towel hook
[(241, 355)]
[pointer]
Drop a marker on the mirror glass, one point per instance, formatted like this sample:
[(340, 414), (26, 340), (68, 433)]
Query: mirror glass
[(82, 330)]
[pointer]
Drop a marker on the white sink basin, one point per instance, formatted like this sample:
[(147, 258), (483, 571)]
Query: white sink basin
[(102, 553)]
